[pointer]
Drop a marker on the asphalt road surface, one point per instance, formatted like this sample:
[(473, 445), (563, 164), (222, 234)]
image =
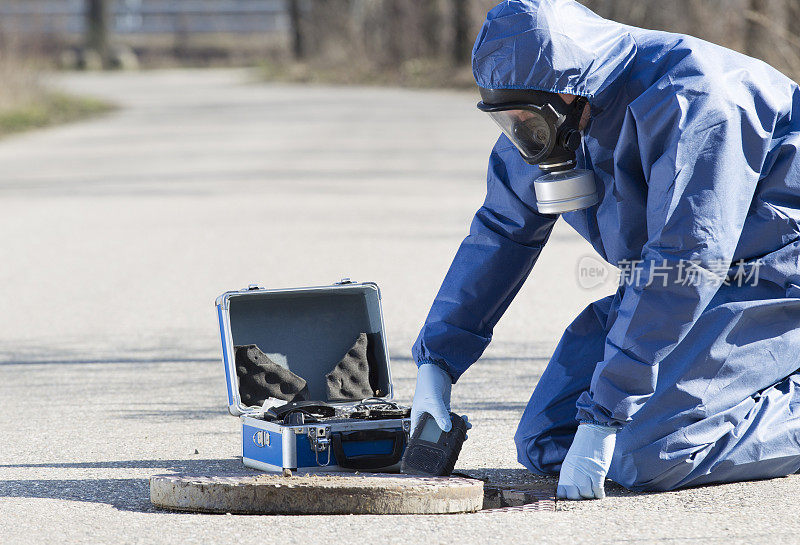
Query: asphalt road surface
[(118, 233)]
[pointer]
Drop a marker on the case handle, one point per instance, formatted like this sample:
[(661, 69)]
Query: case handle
[(368, 461)]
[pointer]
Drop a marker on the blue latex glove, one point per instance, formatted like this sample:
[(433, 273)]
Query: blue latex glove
[(432, 396), (584, 470)]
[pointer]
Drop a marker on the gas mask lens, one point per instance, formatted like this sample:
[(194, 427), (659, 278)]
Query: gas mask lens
[(527, 130), (545, 129)]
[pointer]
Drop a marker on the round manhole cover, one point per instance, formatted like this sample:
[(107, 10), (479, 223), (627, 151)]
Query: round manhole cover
[(328, 494)]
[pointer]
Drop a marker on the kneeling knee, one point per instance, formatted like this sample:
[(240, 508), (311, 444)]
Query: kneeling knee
[(541, 452), (646, 468)]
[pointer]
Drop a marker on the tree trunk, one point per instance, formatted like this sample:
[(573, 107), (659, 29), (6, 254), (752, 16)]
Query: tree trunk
[(298, 44), (97, 15), (763, 23), (431, 26), (461, 49), (393, 15), (793, 16)]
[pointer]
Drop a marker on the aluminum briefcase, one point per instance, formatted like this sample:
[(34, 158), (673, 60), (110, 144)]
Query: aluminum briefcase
[(307, 372)]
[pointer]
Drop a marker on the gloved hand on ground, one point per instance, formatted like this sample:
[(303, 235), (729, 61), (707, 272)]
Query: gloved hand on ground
[(432, 396), (584, 470)]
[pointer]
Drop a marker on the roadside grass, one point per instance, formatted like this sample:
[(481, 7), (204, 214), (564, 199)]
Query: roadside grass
[(49, 108), (26, 102), (414, 73)]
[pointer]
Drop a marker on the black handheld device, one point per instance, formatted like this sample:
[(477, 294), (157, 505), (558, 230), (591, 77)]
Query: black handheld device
[(431, 451)]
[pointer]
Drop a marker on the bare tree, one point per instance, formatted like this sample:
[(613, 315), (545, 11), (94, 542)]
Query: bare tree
[(298, 43), (431, 25), (771, 34), (394, 15), (793, 16), (461, 25), (97, 15), (757, 32), (359, 36)]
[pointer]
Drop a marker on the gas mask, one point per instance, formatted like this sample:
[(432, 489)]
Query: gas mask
[(545, 130)]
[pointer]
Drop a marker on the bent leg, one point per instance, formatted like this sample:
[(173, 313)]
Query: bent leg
[(548, 424), (727, 400), (765, 444), (759, 438)]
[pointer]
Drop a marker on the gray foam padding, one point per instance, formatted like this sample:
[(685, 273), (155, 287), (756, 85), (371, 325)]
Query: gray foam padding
[(260, 377), (351, 380)]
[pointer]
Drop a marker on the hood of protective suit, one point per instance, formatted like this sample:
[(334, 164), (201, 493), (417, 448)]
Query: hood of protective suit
[(556, 46)]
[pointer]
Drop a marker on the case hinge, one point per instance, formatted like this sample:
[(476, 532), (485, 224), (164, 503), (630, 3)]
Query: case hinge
[(253, 287), (344, 281)]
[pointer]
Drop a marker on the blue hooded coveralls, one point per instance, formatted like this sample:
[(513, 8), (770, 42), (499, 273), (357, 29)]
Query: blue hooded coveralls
[(695, 152)]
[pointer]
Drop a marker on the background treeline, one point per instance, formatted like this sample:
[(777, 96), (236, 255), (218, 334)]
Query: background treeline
[(418, 41), (395, 42)]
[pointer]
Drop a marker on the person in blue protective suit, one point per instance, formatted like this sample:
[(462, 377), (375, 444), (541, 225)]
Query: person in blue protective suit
[(687, 375)]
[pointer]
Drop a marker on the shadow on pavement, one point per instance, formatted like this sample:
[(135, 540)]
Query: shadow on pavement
[(491, 406), (130, 494), (508, 359), (510, 476), (522, 479), (82, 361), (133, 494), (111, 351), (123, 494), (170, 414), (231, 465)]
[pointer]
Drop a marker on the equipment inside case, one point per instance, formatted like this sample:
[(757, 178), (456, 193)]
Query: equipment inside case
[(310, 412)]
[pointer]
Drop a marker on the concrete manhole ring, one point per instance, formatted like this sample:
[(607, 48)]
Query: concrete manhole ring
[(329, 494)]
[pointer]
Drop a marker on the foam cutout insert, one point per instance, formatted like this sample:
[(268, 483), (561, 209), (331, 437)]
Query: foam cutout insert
[(350, 379), (260, 377)]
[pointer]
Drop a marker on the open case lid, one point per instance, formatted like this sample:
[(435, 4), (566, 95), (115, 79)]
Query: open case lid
[(304, 330)]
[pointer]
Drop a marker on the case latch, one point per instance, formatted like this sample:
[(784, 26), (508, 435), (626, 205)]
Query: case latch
[(344, 281), (320, 439)]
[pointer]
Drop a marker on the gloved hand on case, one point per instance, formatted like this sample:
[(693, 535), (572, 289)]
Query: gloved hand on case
[(584, 470), (432, 396)]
